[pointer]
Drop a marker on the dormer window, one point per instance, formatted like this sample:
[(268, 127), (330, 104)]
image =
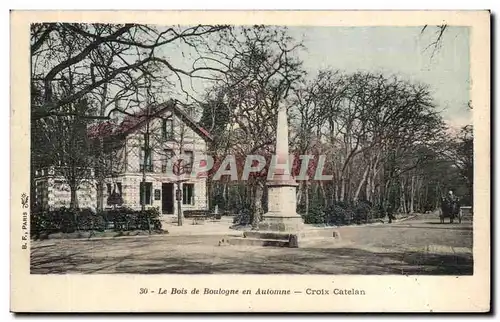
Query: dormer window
[(188, 162), (145, 162), (168, 129), (168, 154)]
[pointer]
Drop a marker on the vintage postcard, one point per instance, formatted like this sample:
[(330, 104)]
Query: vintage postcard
[(250, 161)]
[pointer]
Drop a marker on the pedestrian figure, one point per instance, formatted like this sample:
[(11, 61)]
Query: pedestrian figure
[(450, 208)]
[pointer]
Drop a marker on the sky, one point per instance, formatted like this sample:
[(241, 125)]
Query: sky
[(401, 51), (392, 50)]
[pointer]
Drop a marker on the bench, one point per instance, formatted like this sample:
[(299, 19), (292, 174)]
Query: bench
[(201, 215), (466, 211), (198, 216), (195, 213)]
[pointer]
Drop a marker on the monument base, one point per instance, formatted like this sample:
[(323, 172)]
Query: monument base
[(292, 239), (280, 223)]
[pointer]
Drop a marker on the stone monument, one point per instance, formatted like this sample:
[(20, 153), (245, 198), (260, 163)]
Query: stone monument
[(281, 225), (282, 188)]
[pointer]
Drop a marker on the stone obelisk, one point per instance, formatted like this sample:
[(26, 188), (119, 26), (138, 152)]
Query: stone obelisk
[(281, 225), (282, 188)]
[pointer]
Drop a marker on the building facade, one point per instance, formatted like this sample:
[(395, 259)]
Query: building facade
[(52, 191), (138, 163)]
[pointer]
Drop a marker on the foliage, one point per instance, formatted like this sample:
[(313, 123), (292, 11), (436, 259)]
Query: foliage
[(115, 199), (89, 58), (241, 108), (65, 220), (244, 215), (362, 212), (384, 140), (62, 142), (61, 220), (339, 214), (315, 215)]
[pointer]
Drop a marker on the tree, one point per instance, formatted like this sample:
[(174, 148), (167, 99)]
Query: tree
[(377, 131), (465, 150), (262, 72), (108, 59), (109, 66), (439, 32), (461, 155), (66, 146)]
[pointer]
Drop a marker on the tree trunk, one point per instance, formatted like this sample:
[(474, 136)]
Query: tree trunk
[(324, 195), (180, 217), (372, 183), (225, 195), (300, 192), (73, 204), (100, 164), (339, 190), (342, 189), (412, 195), (402, 199), (143, 191), (368, 188), (145, 164), (361, 183), (425, 198), (334, 191), (307, 197), (437, 197), (258, 211), (372, 192), (100, 195), (388, 203)]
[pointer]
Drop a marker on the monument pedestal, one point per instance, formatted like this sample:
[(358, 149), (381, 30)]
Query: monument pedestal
[(281, 225), (282, 205), (295, 239)]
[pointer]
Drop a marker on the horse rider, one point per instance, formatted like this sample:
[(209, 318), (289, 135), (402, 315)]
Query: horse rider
[(453, 203), (451, 197)]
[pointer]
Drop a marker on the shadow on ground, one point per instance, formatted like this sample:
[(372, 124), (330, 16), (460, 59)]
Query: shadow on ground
[(342, 260), (446, 225)]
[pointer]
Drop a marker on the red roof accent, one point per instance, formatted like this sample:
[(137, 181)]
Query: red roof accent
[(100, 129), (204, 131), (107, 129)]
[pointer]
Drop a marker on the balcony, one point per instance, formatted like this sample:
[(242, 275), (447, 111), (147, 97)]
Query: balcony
[(187, 169), (146, 167), (167, 137)]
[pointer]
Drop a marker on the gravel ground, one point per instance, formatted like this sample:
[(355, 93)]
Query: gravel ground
[(420, 246)]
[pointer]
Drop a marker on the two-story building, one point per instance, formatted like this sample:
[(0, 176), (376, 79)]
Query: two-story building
[(132, 162)]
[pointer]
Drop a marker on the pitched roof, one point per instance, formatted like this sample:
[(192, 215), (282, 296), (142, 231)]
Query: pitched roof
[(131, 122)]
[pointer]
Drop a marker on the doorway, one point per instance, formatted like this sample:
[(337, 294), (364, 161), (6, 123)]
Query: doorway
[(167, 198)]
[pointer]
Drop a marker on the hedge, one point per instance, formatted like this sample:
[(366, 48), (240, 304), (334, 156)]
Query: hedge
[(337, 214), (341, 213), (65, 220)]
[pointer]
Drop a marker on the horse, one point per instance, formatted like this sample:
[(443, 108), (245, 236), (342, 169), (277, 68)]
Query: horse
[(449, 209)]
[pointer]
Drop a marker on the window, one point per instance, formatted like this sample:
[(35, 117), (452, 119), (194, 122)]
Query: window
[(145, 193), (168, 154), (114, 194), (41, 187), (188, 162), (188, 194), (114, 188), (148, 166), (168, 129)]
